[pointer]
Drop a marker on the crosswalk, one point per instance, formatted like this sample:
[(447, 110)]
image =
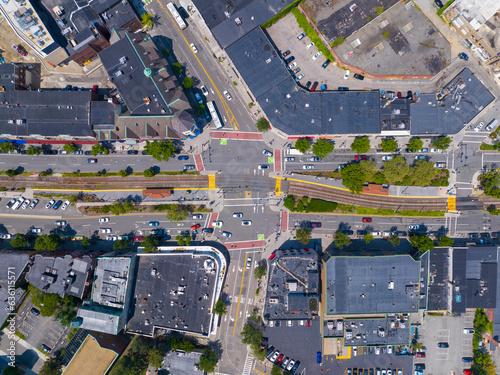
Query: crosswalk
[(146, 2), (247, 368)]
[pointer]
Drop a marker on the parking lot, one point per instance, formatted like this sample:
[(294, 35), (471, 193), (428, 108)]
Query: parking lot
[(297, 342), (446, 329), (369, 361), (40, 330)]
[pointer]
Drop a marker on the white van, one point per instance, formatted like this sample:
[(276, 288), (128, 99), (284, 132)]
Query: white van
[(18, 203), (492, 124)]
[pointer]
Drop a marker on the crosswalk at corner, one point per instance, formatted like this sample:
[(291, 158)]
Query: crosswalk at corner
[(247, 368)]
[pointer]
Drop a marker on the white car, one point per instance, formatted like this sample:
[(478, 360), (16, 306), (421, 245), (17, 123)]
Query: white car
[(387, 157), (479, 126), (387, 234), (105, 230), (238, 215), (290, 365), (123, 237), (217, 223), (18, 203), (413, 227), (226, 234), (197, 217), (377, 350), (193, 47), (468, 331), (50, 204), (26, 204), (226, 94), (376, 233), (292, 65), (315, 57), (249, 262), (308, 166), (5, 236), (111, 238), (246, 222), (36, 230), (355, 351), (301, 75), (436, 150), (204, 90), (34, 203), (275, 356), (346, 74), (65, 205), (60, 223), (310, 45), (267, 152), (103, 219)]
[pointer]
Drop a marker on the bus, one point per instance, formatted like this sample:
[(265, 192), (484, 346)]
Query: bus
[(215, 114), (173, 11)]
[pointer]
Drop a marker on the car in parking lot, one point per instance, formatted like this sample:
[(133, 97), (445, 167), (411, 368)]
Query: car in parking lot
[(92, 161), (153, 223), (346, 73), (286, 53), (473, 235), (57, 205), (443, 345), (246, 223), (289, 60), (295, 367), (290, 365), (267, 152), (227, 234), (340, 88), (468, 331), (296, 71), (419, 366), (310, 45), (35, 311), (463, 56), (387, 157), (466, 359), (359, 76), (366, 220), (285, 362), (45, 348), (292, 65), (308, 166), (466, 372), (360, 157), (315, 84), (227, 95), (25, 204), (18, 203), (11, 203), (301, 36), (326, 63), (193, 47), (280, 358), (479, 126), (316, 56), (65, 205), (198, 98), (275, 356), (50, 203), (299, 77), (207, 230)]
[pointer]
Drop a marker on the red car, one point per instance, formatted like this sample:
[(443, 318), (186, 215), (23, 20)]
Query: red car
[(313, 87), (138, 239), (399, 94), (367, 220), (308, 324), (420, 355), (360, 157), (467, 372), (19, 49), (278, 361), (95, 88), (196, 226)]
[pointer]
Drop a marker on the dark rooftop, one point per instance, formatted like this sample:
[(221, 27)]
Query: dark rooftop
[(221, 15), (393, 330), (14, 263), (372, 285), (60, 275), (438, 279), (183, 294)]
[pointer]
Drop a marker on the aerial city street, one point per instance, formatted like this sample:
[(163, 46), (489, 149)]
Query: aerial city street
[(249, 187)]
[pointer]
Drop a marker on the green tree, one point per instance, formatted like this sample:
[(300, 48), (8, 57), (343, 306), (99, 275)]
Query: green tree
[(117, 208), (33, 150), (19, 241), (150, 244), (422, 242), (302, 144), (361, 145), (147, 20), (70, 147), (121, 244), (123, 173), (46, 302), (188, 83), (396, 169), (66, 312), (415, 144), (200, 110), (259, 272), (422, 172), (149, 172), (182, 344), (368, 238), (48, 242), (276, 370), (98, 148), (179, 212), (394, 239), (368, 168), (262, 125), (155, 357), (353, 178), (341, 240), (208, 361), (220, 308), (85, 242), (177, 68), (303, 235), (441, 143), (10, 172), (252, 335), (389, 144), (322, 148), (161, 151), (7, 147), (489, 183), (446, 241), (9, 370), (52, 366)]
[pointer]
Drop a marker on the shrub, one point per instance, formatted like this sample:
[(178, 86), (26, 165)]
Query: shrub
[(280, 15), (379, 11), (318, 205)]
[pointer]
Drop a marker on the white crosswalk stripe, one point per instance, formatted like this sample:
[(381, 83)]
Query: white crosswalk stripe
[(247, 368)]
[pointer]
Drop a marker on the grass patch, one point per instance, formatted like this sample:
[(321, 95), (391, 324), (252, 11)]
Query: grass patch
[(337, 42), (379, 11), (440, 11), (281, 14), (20, 335), (313, 304), (487, 147), (435, 314), (312, 34), (386, 34), (71, 334)]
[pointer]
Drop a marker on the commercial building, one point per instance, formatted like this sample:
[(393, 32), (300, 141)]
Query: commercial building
[(154, 103)]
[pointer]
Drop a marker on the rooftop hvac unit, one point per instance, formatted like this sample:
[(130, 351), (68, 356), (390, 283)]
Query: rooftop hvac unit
[(123, 59)]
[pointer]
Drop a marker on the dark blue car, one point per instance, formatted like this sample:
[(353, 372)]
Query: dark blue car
[(318, 357), (183, 157), (57, 205)]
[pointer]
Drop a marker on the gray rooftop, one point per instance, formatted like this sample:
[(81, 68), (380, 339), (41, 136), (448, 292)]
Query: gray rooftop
[(180, 363), (60, 275), (372, 285), (293, 285), (183, 294), (438, 279), (292, 109), (220, 16), (11, 264), (394, 330)]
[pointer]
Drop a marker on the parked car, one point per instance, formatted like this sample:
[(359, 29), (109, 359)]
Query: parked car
[(326, 63), (57, 205), (50, 203), (189, 167), (183, 12), (308, 166), (316, 56), (289, 60), (65, 205), (419, 366), (414, 227), (463, 56), (217, 224), (138, 239), (204, 90), (246, 223), (468, 331), (292, 65), (438, 3), (45, 348), (19, 49), (439, 165), (360, 157), (420, 355), (346, 74), (207, 230), (419, 157), (183, 157), (301, 36), (237, 215), (286, 53), (359, 76), (479, 126), (299, 77), (132, 152), (11, 203), (436, 150), (366, 220), (314, 158), (466, 359), (226, 234), (310, 45), (35, 311), (290, 365), (387, 157), (275, 356), (318, 357), (443, 345), (290, 158), (5, 236), (340, 88), (267, 152), (296, 71), (60, 223), (36, 230), (313, 87), (25, 204)]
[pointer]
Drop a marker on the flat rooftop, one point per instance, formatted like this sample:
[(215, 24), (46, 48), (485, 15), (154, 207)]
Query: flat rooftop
[(393, 330), (439, 263), (173, 291), (180, 363), (111, 277), (372, 284), (293, 285)]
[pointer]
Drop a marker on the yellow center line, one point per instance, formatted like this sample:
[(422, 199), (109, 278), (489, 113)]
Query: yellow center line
[(258, 371), (239, 297), (229, 113)]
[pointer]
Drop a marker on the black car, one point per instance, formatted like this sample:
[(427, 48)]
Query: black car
[(409, 95), (35, 311), (132, 152), (207, 230), (348, 232), (473, 235), (308, 84), (438, 3), (443, 345), (419, 366), (485, 235), (290, 59), (359, 76), (343, 89), (286, 53), (183, 12), (87, 153), (45, 348), (361, 232), (326, 63)]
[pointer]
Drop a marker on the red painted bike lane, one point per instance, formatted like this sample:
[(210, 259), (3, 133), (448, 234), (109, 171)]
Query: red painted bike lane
[(213, 217), (244, 244), (244, 136), (277, 160), (199, 162), (284, 221)]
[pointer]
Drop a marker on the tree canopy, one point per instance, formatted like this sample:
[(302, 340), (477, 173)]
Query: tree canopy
[(19, 241), (33, 150), (341, 240), (396, 169), (48, 242), (260, 271), (322, 148), (415, 144), (394, 239), (155, 357), (70, 147), (161, 151), (353, 177), (52, 366), (303, 235), (422, 242), (220, 308), (208, 361), (98, 148), (361, 145), (368, 168), (179, 212), (46, 302), (389, 144), (262, 125), (446, 241), (368, 238), (150, 244), (422, 172), (252, 335), (147, 20), (302, 144), (441, 143), (121, 244)]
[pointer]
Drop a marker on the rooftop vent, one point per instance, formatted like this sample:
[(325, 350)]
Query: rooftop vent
[(123, 59)]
